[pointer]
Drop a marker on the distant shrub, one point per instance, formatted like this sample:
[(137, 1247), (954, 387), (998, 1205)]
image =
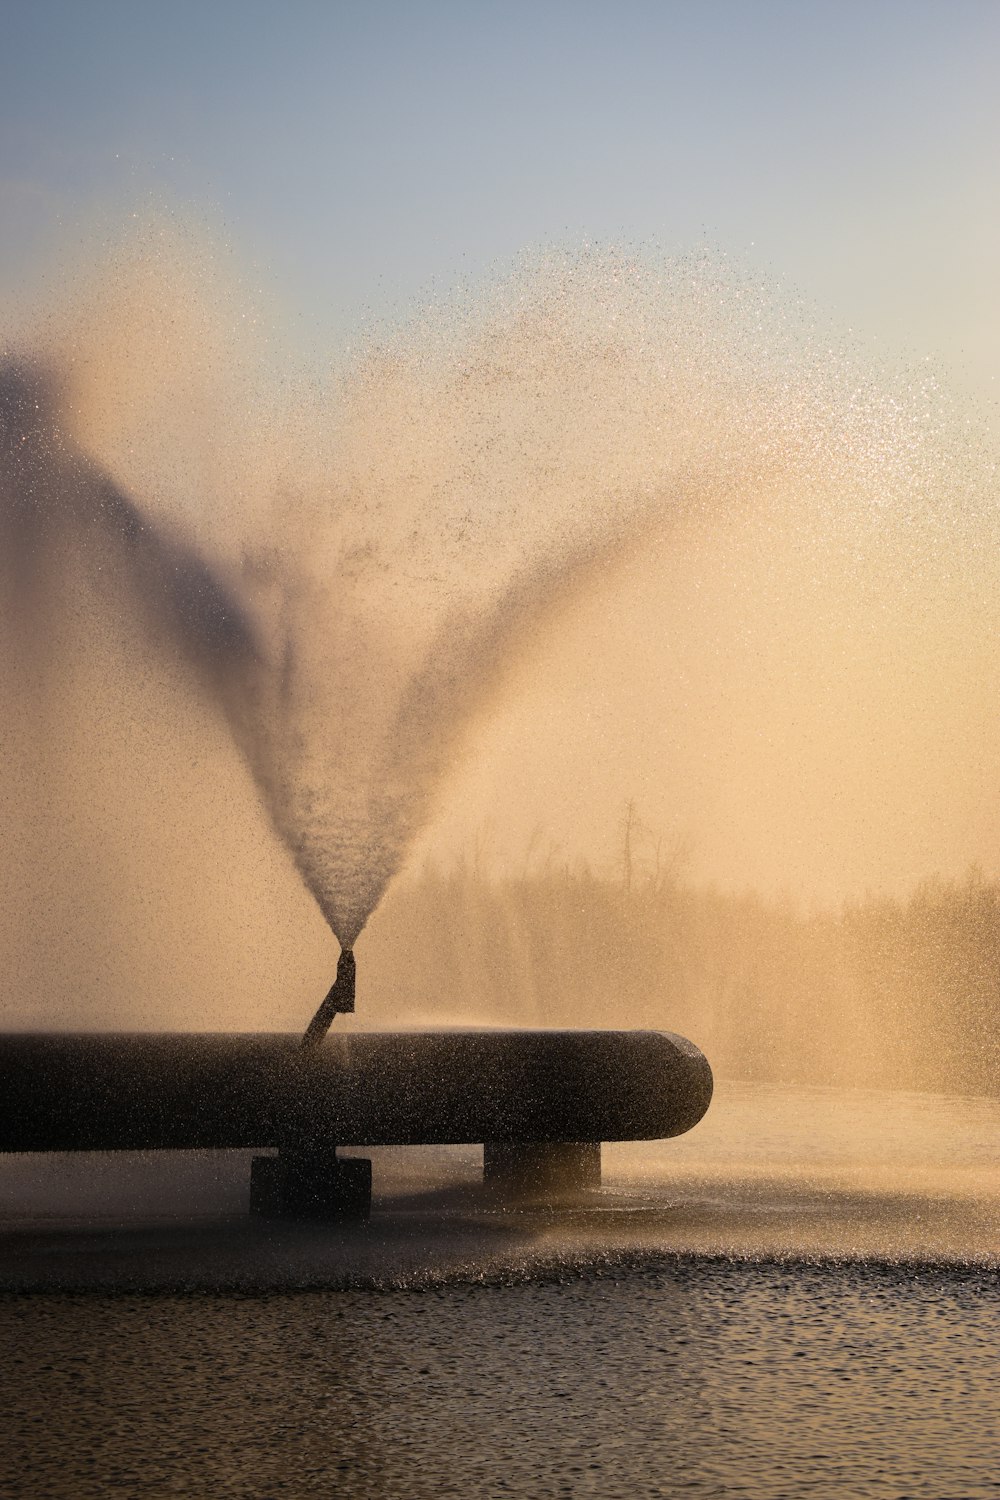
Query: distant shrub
[(884, 993)]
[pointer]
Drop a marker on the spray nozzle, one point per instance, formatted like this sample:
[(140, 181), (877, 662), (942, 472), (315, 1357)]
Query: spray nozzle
[(344, 983), (339, 1000)]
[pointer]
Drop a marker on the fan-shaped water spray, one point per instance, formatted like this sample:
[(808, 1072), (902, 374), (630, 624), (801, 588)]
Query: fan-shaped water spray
[(353, 565)]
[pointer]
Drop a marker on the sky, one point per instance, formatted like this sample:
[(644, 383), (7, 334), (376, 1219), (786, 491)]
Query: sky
[(362, 153), (362, 156)]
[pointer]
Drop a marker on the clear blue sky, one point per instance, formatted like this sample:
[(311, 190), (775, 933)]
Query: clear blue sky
[(360, 151)]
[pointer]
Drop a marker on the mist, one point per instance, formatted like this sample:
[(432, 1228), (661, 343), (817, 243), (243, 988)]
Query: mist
[(373, 607)]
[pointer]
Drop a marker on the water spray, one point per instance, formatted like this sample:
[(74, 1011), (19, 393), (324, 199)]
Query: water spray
[(407, 533), (460, 487)]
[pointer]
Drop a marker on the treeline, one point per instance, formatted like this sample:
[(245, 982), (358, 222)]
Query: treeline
[(883, 993)]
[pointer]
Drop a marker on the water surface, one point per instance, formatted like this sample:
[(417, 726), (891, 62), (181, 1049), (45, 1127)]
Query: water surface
[(799, 1298), (701, 1378)]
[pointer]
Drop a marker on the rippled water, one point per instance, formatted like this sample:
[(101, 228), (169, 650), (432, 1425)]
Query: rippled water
[(701, 1378), (800, 1298)]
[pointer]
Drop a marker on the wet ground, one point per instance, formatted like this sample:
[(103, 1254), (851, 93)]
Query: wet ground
[(801, 1298)]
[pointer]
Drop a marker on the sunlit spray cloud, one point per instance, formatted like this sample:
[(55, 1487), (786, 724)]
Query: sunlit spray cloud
[(60, 508), (353, 566)]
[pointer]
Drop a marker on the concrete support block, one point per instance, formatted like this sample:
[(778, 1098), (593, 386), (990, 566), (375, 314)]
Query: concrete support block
[(532, 1167), (315, 1185)]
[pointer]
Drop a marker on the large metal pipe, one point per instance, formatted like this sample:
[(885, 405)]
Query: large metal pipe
[(128, 1092)]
